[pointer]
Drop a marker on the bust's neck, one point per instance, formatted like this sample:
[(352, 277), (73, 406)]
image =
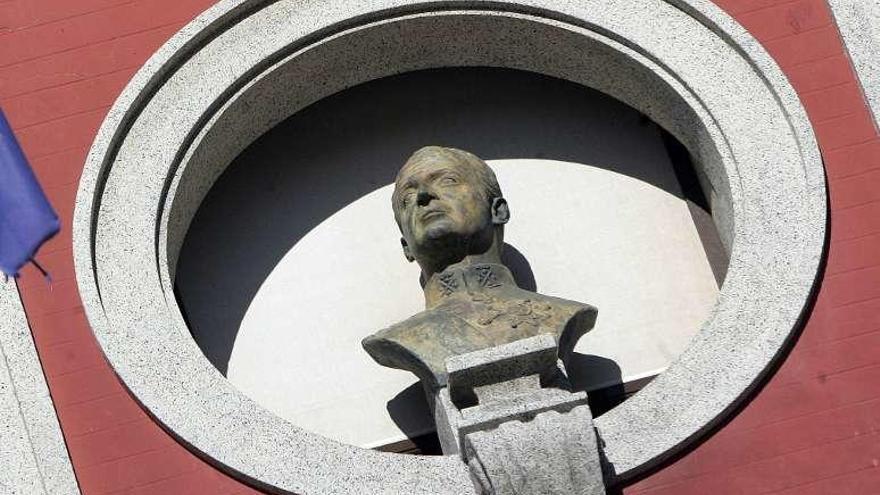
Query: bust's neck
[(473, 274), (464, 252)]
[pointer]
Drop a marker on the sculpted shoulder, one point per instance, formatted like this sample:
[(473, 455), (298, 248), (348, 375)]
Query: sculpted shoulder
[(460, 325), (402, 345), (577, 319)]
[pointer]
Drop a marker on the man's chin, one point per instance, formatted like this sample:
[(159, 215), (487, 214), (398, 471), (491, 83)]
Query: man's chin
[(437, 227), (440, 235)]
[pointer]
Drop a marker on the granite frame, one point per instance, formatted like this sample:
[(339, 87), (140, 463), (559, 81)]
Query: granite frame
[(858, 22), (245, 65), (33, 454)]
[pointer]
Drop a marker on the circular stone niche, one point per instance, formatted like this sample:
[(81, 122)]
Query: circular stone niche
[(293, 256), (305, 218)]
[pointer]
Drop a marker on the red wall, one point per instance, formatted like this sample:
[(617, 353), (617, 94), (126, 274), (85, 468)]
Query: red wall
[(812, 429)]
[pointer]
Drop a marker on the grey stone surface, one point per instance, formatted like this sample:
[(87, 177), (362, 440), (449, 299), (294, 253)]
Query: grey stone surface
[(517, 431), (511, 382), (33, 456), (552, 454), (476, 374), (859, 24), (244, 65)]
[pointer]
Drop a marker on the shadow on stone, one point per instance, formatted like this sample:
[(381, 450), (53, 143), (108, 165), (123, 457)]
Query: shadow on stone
[(602, 376), (520, 267), (409, 411)]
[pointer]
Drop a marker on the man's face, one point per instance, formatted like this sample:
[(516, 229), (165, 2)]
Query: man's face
[(439, 203)]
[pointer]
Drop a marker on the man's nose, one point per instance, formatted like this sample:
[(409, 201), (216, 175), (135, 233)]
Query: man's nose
[(424, 197)]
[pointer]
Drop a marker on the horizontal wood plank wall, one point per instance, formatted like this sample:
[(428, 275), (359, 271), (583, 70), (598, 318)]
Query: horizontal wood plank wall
[(62, 64), (812, 429)]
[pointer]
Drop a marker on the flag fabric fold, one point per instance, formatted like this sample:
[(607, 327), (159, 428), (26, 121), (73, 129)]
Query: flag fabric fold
[(27, 220)]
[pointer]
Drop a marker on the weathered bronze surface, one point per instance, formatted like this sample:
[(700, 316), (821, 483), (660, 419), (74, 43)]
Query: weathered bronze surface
[(451, 214)]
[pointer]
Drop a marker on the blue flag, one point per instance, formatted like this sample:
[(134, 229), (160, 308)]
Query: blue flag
[(26, 218)]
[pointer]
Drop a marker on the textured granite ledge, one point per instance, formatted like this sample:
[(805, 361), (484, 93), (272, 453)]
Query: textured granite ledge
[(33, 456), (859, 25)]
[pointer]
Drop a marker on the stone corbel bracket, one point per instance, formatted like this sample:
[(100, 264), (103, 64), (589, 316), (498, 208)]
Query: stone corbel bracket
[(508, 412)]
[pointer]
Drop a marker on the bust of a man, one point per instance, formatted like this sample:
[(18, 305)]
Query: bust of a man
[(451, 214)]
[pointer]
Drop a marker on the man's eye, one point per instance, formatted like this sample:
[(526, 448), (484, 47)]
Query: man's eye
[(406, 199), (449, 180)]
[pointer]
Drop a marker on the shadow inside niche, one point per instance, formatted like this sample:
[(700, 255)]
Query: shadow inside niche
[(410, 412), (604, 377), (324, 157), (520, 268)]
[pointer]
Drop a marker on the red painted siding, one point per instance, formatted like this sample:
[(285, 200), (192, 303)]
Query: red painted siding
[(813, 429), (62, 65)]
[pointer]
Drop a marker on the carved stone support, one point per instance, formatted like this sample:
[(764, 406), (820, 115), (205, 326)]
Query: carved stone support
[(508, 413), (554, 453)]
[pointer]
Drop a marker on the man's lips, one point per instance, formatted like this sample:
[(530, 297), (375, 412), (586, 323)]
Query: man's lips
[(429, 214)]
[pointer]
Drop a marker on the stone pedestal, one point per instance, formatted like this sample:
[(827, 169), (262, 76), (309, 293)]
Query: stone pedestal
[(508, 412)]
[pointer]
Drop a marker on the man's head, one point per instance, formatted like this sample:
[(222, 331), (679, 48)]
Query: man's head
[(448, 205)]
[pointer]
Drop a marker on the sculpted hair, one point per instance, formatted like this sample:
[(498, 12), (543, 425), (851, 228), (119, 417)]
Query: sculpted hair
[(484, 174)]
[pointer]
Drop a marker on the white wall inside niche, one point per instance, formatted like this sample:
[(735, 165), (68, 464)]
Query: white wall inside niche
[(590, 235), (603, 223)]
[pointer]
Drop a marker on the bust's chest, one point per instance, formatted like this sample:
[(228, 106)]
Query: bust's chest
[(501, 319)]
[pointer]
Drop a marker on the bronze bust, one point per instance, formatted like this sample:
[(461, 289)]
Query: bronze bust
[(451, 214)]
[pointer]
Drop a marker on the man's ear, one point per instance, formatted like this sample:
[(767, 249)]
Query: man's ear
[(406, 252), (500, 211)]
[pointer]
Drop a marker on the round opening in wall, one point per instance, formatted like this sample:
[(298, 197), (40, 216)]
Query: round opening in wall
[(293, 256), (246, 66)]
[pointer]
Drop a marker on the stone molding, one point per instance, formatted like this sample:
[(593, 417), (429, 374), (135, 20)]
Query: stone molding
[(508, 413), (245, 65), (859, 24), (33, 456)]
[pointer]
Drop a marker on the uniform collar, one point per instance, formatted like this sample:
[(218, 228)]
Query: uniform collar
[(466, 278)]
